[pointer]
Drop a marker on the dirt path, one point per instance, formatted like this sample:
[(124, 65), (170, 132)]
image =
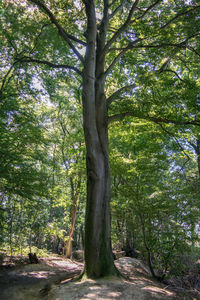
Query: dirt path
[(140, 286), (32, 281), (50, 280)]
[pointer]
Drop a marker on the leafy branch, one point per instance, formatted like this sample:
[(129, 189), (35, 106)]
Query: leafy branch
[(134, 45), (50, 64), (177, 142), (153, 119), (117, 9), (118, 92), (180, 15), (147, 10), (172, 71), (61, 30), (6, 77), (121, 29), (121, 54)]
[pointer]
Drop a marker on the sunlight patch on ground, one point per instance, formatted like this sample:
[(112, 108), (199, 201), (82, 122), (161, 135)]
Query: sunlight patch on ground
[(38, 274), (94, 287), (65, 264), (156, 290), (114, 295), (109, 296), (102, 291)]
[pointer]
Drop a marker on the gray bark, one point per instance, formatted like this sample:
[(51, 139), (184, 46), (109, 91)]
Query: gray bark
[(98, 252)]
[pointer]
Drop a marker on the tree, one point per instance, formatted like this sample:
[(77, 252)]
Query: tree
[(115, 42), (154, 198)]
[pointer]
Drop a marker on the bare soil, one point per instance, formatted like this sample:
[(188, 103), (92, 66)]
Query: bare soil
[(20, 280), (51, 280)]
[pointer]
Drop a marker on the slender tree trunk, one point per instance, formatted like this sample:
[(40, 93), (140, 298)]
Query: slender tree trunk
[(74, 196), (21, 228), (121, 234), (11, 235), (12, 211), (198, 154), (82, 238), (69, 242), (196, 147), (30, 241), (98, 252)]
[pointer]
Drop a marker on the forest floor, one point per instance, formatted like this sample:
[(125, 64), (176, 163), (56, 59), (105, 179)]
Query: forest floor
[(51, 280)]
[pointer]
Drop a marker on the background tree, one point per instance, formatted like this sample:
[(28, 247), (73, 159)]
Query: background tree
[(154, 203)]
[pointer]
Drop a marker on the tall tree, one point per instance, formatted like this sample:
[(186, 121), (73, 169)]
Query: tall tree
[(106, 43), (153, 196)]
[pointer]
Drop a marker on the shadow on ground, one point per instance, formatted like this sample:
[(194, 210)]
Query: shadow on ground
[(33, 281), (50, 280)]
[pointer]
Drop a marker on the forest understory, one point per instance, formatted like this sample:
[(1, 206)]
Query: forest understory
[(52, 278)]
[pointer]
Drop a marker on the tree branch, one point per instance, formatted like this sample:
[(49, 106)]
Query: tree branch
[(148, 9), (193, 146), (103, 25), (193, 50), (117, 9), (179, 15), (133, 45), (153, 119), (117, 58), (168, 70), (73, 38), (5, 78), (113, 2), (37, 38), (61, 30), (50, 64), (121, 90), (176, 140), (122, 28), (182, 44)]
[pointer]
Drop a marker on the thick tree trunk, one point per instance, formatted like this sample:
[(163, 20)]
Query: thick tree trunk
[(98, 253)]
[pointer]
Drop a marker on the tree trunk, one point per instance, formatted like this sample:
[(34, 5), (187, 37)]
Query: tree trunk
[(69, 242), (121, 234), (198, 154), (74, 196), (196, 147), (98, 252)]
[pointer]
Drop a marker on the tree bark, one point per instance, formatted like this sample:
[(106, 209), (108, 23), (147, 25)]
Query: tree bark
[(198, 154), (196, 147), (74, 196), (98, 252)]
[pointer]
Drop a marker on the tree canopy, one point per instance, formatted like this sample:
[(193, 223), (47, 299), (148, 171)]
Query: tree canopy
[(74, 73)]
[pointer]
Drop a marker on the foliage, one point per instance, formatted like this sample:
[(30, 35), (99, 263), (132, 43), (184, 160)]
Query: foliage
[(153, 198), (152, 90)]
